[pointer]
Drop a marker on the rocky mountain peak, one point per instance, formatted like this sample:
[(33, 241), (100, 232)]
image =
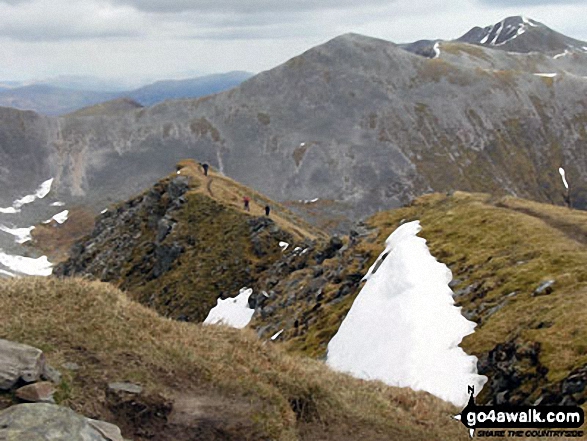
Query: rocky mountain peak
[(521, 34)]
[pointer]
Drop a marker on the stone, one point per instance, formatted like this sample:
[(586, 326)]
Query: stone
[(130, 388), (71, 366), (41, 392), (19, 363), (49, 422), (109, 431), (51, 374), (544, 289)]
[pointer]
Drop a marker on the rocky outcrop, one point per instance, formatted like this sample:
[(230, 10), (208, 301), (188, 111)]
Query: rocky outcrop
[(49, 422), (118, 234), (177, 251)]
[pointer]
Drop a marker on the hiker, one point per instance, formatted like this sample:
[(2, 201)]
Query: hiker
[(246, 201), (205, 166), (267, 210)]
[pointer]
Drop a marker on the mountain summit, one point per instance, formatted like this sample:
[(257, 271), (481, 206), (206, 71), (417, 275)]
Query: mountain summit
[(522, 34)]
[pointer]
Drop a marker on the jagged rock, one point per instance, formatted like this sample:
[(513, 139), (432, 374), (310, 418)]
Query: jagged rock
[(178, 187), (545, 288), (49, 422), (514, 371), (163, 228), (165, 255), (125, 387), (41, 392), (19, 363)]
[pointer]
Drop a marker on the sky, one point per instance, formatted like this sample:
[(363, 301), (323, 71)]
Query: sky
[(137, 41)]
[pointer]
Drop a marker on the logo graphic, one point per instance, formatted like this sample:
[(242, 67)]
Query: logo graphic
[(501, 418)]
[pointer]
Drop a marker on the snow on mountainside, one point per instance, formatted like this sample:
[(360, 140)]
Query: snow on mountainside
[(521, 34), (404, 328), (26, 210)]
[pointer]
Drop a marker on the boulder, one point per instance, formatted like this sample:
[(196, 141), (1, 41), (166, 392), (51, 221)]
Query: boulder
[(19, 363), (49, 422), (544, 289), (37, 392), (130, 388)]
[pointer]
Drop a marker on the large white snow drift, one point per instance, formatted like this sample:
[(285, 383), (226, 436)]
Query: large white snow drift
[(404, 328)]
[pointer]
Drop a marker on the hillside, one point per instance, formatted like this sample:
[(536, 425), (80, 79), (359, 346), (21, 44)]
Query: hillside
[(200, 382), (519, 271), (518, 266), (357, 121), (185, 242)]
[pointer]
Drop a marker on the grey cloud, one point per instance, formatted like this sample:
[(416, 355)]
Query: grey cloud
[(511, 3), (61, 34), (245, 6)]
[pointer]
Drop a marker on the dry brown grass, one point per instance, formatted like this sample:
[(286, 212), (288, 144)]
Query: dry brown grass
[(115, 339), (55, 240), (229, 192)]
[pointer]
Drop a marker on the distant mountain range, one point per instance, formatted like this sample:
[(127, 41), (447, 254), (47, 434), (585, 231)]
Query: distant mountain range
[(362, 124), (66, 95)]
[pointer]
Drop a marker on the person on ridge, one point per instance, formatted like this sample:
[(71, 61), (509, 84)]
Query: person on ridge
[(205, 166), (246, 201), (267, 210)]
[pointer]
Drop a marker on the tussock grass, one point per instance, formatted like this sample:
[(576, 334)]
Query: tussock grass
[(287, 398)]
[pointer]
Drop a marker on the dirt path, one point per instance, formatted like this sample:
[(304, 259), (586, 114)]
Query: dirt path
[(573, 231)]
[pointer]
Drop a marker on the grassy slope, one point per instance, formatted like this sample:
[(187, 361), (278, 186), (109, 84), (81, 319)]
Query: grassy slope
[(245, 388), (504, 245), (218, 257)]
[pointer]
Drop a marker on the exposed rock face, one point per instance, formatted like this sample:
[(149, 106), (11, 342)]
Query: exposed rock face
[(49, 422), (19, 363), (357, 120)]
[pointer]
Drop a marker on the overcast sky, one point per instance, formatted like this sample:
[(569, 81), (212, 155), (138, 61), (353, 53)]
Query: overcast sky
[(155, 39)]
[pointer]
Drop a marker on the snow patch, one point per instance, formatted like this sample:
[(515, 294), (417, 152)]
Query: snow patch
[(58, 204), (564, 54), (9, 210), (21, 235), (562, 172), (546, 75), (308, 201), (27, 265), (7, 273), (59, 217), (233, 311), (277, 334), (104, 211), (403, 328), (41, 192), (283, 246), (436, 49)]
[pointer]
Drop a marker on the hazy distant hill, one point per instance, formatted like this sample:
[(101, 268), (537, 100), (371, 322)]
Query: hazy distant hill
[(50, 100), (64, 94), (190, 88)]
